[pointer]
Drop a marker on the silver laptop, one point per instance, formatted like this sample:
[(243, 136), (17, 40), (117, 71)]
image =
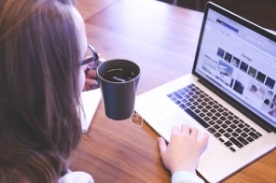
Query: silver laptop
[(230, 94)]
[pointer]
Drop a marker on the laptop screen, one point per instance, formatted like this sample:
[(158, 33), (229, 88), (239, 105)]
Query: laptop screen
[(239, 59)]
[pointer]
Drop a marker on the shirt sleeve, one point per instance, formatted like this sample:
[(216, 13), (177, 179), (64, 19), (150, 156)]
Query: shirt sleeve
[(185, 177), (76, 177)]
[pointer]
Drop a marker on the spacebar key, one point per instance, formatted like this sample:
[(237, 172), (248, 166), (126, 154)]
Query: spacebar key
[(193, 115)]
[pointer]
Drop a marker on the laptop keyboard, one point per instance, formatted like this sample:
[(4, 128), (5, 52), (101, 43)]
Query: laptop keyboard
[(228, 128)]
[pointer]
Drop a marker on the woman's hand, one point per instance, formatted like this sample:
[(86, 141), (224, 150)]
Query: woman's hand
[(184, 150), (91, 81)]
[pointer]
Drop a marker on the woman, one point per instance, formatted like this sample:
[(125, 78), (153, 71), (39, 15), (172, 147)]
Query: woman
[(42, 43)]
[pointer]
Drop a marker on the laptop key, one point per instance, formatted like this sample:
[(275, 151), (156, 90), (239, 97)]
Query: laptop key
[(177, 95), (211, 130), (237, 143), (228, 143), (242, 140), (253, 135), (217, 135), (249, 139), (232, 149), (193, 115), (182, 106)]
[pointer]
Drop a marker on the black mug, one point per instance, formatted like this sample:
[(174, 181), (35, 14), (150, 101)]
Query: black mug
[(118, 80)]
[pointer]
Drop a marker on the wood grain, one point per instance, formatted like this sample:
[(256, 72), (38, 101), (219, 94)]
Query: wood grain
[(162, 39)]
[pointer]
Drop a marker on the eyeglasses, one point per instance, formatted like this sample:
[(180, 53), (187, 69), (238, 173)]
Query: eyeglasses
[(92, 58)]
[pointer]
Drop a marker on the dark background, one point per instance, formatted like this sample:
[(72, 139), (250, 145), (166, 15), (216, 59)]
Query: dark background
[(262, 12)]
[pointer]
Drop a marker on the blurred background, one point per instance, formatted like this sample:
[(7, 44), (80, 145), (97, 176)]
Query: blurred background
[(262, 12)]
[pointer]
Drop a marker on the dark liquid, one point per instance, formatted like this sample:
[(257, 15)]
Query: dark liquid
[(118, 75)]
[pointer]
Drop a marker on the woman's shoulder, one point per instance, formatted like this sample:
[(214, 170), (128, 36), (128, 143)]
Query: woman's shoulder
[(76, 177)]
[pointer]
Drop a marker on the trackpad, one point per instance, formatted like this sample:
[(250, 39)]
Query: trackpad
[(164, 126)]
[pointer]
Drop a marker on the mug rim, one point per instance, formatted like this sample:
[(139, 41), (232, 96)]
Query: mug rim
[(138, 73)]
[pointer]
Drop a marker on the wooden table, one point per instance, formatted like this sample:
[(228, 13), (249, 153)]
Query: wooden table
[(162, 39)]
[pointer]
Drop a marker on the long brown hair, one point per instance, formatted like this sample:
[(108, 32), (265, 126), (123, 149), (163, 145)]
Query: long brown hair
[(39, 71)]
